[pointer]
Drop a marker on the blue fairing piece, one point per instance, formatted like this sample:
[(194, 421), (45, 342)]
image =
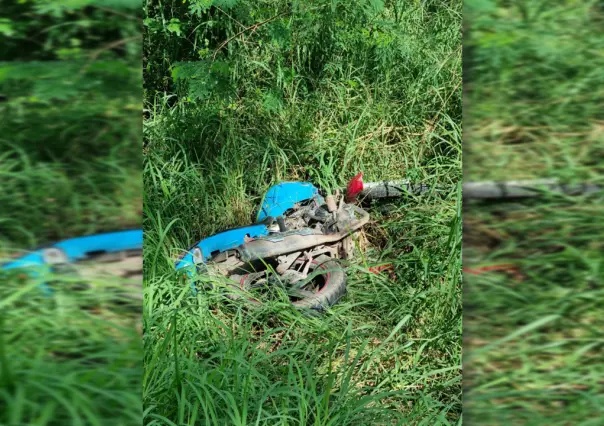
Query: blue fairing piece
[(32, 259), (284, 196), (78, 248), (226, 240)]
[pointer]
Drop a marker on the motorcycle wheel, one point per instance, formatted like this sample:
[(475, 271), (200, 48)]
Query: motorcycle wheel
[(325, 288)]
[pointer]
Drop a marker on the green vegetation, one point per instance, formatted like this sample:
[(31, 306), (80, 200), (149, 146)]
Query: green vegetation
[(70, 86), (533, 351), (70, 161), (240, 95), (70, 359)]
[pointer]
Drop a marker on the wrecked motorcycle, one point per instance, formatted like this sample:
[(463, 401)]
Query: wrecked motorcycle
[(297, 243), (113, 254)]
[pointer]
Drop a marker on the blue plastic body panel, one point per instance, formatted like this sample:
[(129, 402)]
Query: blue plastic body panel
[(223, 241), (284, 196), (76, 249)]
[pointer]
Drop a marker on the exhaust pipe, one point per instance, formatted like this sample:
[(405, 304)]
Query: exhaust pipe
[(523, 189), (480, 190)]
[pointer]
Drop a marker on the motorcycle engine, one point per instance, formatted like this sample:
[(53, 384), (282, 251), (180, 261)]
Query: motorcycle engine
[(310, 215)]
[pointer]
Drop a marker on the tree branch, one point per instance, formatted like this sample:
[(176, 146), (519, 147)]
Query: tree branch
[(117, 12), (250, 28), (95, 54)]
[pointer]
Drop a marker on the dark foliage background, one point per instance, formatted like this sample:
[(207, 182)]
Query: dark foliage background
[(70, 86)]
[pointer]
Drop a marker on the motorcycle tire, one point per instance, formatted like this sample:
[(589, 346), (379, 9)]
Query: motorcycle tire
[(333, 286)]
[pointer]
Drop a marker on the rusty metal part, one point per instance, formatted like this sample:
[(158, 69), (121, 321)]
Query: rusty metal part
[(126, 267), (263, 248), (481, 190), (123, 266), (341, 206), (331, 250), (295, 223), (308, 259), (331, 203), (347, 248), (286, 261), (388, 189)]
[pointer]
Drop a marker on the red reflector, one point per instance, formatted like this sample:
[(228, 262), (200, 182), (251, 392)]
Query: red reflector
[(355, 186)]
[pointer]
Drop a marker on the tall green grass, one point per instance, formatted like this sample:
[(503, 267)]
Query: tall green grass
[(73, 358), (69, 166), (69, 98), (533, 340), (44, 202), (316, 95)]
